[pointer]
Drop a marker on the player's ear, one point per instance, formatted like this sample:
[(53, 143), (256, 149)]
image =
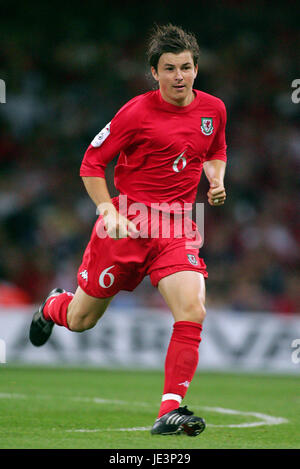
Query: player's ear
[(195, 70), (154, 73)]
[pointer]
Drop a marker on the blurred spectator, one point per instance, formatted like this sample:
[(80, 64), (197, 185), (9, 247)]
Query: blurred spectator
[(12, 296)]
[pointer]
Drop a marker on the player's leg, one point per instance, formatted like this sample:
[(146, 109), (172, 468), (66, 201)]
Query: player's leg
[(77, 312), (84, 311), (184, 293)]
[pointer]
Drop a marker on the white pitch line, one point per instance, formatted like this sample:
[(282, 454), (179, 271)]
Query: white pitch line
[(264, 418), (95, 430), (98, 400), (7, 395)]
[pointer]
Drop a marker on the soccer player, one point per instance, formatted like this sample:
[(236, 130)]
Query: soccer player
[(165, 139)]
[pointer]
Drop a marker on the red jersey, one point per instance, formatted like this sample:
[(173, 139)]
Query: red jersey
[(162, 147)]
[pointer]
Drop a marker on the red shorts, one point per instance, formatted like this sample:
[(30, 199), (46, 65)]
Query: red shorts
[(110, 265)]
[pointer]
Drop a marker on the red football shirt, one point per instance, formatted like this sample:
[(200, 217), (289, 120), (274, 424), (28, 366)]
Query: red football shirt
[(162, 147)]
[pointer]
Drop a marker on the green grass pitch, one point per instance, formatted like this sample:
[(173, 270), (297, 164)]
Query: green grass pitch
[(92, 408)]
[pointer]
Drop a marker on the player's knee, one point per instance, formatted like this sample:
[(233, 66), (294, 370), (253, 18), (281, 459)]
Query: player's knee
[(194, 311), (80, 323)]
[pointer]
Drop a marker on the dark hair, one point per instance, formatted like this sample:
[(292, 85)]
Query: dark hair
[(170, 38)]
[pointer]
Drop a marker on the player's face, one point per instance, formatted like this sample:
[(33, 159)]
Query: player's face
[(176, 74)]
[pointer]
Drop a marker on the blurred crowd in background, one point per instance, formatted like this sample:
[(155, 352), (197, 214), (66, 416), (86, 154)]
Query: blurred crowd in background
[(66, 76)]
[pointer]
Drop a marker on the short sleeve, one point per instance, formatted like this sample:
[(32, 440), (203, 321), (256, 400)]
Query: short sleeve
[(114, 137), (217, 150)]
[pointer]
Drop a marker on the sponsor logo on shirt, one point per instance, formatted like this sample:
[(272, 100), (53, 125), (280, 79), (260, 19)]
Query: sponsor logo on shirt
[(207, 125)]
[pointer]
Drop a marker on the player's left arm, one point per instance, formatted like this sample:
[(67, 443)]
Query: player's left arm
[(215, 172), (214, 164)]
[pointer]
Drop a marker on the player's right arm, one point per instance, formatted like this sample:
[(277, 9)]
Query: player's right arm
[(116, 225), (113, 138)]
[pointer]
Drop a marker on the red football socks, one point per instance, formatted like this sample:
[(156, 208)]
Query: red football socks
[(181, 363), (56, 308)]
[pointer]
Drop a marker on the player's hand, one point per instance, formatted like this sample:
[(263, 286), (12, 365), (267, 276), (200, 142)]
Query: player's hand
[(216, 194), (116, 225)]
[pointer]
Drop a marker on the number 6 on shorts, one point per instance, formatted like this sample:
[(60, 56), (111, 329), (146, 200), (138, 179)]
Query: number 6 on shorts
[(104, 274)]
